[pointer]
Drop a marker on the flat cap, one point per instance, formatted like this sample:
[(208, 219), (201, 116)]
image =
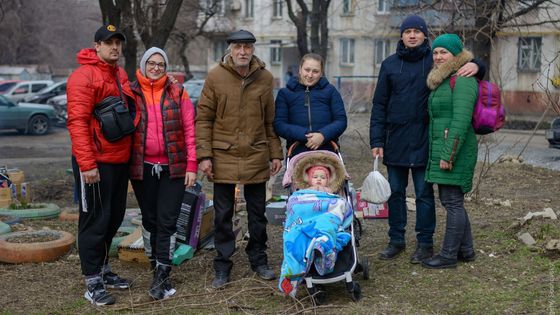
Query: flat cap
[(241, 36)]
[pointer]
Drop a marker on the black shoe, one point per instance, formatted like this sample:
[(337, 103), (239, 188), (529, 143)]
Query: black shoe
[(439, 262), (161, 287), (220, 279), (391, 251), (113, 281), (98, 296), (421, 254), (466, 257), (265, 272)]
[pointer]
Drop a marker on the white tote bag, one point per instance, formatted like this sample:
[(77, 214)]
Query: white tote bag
[(376, 188)]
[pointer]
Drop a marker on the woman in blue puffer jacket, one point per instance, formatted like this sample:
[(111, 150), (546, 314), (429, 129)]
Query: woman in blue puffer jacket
[(309, 110)]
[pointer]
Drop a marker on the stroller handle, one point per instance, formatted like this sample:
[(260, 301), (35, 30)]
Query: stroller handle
[(295, 144)]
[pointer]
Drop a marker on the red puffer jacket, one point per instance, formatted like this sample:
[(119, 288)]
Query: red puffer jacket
[(93, 81)]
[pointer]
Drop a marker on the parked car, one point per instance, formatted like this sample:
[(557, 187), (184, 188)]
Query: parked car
[(48, 92), (59, 103), (7, 84), (25, 89), (553, 134), (35, 119), (194, 88)]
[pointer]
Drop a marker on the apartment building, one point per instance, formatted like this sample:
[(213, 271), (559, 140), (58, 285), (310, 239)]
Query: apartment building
[(362, 33)]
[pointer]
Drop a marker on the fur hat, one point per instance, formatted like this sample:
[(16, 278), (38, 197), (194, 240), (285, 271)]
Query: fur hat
[(148, 54), (414, 21), (334, 165), (451, 42)]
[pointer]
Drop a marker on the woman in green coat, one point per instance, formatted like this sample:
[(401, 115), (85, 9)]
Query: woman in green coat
[(453, 146)]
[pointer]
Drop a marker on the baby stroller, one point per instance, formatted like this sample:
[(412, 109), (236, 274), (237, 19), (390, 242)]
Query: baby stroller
[(347, 262)]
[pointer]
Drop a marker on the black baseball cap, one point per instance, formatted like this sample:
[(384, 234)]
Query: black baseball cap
[(107, 31), (241, 36)]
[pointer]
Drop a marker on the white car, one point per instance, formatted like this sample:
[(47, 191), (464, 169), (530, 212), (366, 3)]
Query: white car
[(24, 89)]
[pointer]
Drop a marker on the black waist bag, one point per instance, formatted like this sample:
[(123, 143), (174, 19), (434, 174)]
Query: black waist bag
[(114, 117)]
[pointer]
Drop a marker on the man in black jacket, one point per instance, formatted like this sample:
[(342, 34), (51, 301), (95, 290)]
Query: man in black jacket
[(399, 134)]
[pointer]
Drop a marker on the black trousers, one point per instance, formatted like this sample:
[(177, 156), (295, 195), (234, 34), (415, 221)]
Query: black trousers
[(102, 208), (160, 203), (224, 239)]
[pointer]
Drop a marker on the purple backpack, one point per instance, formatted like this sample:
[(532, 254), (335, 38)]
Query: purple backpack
[(488, 114)]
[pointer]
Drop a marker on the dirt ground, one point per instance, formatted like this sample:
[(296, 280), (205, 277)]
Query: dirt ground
[(506, 278)]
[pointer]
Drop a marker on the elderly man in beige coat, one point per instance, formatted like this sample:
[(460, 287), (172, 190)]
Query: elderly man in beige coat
[(236, 144)]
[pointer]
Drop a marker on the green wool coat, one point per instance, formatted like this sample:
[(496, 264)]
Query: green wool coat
[(452, 136)]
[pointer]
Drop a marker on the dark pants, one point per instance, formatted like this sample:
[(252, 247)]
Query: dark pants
[(425, 206), (224, 239), (458, 235), (101, 214), (160, 202)]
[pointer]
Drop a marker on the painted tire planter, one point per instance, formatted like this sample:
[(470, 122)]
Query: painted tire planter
[(47, 211), (16, 253), (137, 220), (114, 250), (69, 216), (4, 228)]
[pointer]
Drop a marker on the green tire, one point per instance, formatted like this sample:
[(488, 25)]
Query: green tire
[(4, 228), (50, 210)]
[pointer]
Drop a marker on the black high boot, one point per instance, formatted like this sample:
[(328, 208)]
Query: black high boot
[(161, 285)]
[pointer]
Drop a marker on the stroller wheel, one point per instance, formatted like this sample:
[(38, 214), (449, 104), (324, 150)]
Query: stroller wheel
[(354, 290), (365, 267), (318, 294)]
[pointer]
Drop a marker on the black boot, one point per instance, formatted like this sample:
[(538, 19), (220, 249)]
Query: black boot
[(161, 285), (391, 251), (421, 254), (439, 262)]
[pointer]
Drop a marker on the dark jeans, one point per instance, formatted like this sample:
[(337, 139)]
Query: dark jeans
[(101, 214), (425, 206), (160, 202), (224, 239), (458, 235)]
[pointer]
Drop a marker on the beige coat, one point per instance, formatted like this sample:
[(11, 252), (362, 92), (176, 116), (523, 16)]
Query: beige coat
[(234, 123)]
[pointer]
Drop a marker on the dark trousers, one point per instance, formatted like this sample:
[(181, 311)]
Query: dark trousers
[(224, 239), (160, 203), (458, 236), (425, 206), (101, 214)]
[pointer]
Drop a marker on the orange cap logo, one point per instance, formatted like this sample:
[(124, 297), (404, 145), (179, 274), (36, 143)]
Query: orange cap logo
[(111, 28)]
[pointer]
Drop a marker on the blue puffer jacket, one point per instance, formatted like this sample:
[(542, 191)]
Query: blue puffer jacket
[(399, 116), (325, 113)]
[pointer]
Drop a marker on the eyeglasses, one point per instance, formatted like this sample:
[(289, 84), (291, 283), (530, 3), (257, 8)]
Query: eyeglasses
[(153, 64)]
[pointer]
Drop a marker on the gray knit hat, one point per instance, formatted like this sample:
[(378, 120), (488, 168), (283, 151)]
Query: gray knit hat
[(148, 54)]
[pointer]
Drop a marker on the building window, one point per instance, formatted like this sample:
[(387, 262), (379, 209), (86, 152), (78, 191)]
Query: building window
[(347, 8), (216, 7), (275, 51), (249, 9), (347, 51), (529, 54), (220, 48), (277, 8), (405, 3), (382, 50), (382, 6)]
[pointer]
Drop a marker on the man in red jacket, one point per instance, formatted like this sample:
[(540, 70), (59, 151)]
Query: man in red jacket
[(100, 167)]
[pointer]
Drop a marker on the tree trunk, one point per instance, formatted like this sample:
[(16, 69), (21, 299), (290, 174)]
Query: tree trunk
[(165, 23), (184, 59), (300, 22), (130, 47)]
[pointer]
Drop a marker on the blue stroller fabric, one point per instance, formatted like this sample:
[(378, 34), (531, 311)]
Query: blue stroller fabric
[(314, 232)]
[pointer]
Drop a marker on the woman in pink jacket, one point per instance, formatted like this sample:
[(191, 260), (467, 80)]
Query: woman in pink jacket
[(163, 161)]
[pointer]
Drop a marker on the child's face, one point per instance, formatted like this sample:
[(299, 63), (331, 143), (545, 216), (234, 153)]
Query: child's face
[(319, 178)]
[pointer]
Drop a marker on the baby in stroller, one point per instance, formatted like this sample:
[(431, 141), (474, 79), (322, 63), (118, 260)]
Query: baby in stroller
[(316, 223)]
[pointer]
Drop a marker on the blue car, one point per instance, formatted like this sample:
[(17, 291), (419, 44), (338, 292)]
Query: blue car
[(26, 118), (553, 134)]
